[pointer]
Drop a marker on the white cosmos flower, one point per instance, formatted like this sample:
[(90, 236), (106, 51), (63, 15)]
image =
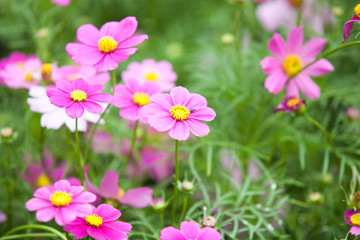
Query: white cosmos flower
[(54, 117)]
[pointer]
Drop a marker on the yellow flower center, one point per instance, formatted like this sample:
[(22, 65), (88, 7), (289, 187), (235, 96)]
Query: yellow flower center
[(151, 76), (296, 3), (28, 77), (107, 44), (179, 112), (357, 10), (355, 219), (60, 198), (292, 102), (94, 220), (141, 99), (121, 192), (43, 180), (292, 65), (46, 72), (78, 95)]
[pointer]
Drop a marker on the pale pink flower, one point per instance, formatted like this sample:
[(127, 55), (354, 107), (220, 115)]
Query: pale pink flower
[(89, 74), (17, 58), (63, 3), (77, 96), (3, 217), (289, 59), (132, 96), (54, 117), (100, 224), (61, 201), (105, 48), (189, 230), (353, 113), (349, 24), (149, 70), (179, 113)]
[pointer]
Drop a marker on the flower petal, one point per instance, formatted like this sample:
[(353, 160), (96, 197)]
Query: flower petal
[(197, 127), (120, 30), (46, 214), (88, 34), (107, 212), (137, 197), (275, 82), (307, 86), (277, 46), (133, 41), (348, 27), (171, 233), (179, 95), (190, 229), (208, 233), (92, 107), (270, 65), (162, 122), (319, 68), (203, 113), (180, 131), (84, 54), (109, 185), (75, 110), (295, 39)]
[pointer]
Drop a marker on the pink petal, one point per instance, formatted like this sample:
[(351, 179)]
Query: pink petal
[(292, 89), (43, 192), (76, 110), (319, 68), (84, 197), (88, 34), (179, 95), (46, 214), (180, 131), (153, 109), (89, 185), (109, 185), (197, 127), (162, 122), (164, 100), (270, 65), (171, 233), (84, 54), (62, 185), (313, 47), (203, 113), (96, 233), (92, 89), (64, 215), (137, 197), (275, 82), (92, 107), (119, 226), (79, 84), (295, 39), (37, 203), (348, 27), (190, 229), (195, 100), (100, 97), (130, 113), (107, 212), (110, 232), (277, 46), (347, 216), (133, 41), (121, 54), (63, 85), (307, 86), (107, 63), (355, 230), (208, 233), (78, 228), (120, 30), (75, 190)]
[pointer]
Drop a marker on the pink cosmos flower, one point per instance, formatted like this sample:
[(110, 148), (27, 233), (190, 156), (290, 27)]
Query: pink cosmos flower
[(149, 70), (3, 217), (349, 24), (89, 74), (109, 189), (289, 59), (290, 104), (103, 142), (189, 230), (353, 113), (54, 117), (16, 58), (104, 49), (62, 202), (132, 96), (77, 95), (353, 219), (22, 74), (179, 113), (63, 3), (100, 224)]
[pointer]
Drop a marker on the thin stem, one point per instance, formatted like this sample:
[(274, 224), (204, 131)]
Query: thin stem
[(36, 226), (9, 187), (88, 144), (299, 14), (78, 153), (27, 235), (176, 181), (321, 128), (184, 207), (161, 220), (133, 139)]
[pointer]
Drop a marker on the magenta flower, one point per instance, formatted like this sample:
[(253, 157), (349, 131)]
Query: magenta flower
[(132, 96), (105, 48), (100, 224), (353, 219), (290, 104), (63, 3), (149, 70), (349, 24), (16, 58), (109, 189), (62, 202), (89, 74), (77, 95), (289, 59), (179, 113), (189, 230)]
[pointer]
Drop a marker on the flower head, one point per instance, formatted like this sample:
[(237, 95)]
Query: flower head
[(349, 24), (179, 113), (63, 3), (189, 230), (100, 224), (105, 48), (353, 113), (290, 104), (353, 219), (149, 70), (77, 95), (61, 201), (288, 62), (132, 96)]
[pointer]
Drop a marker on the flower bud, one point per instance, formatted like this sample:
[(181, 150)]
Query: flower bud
[(42, 33), (158, 205), (315, 197), (187, 186), (227, 38), (337, 11), (6, 133), (209, 221)]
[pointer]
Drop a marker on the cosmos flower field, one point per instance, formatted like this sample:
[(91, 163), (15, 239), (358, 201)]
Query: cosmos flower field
[(179, 120)]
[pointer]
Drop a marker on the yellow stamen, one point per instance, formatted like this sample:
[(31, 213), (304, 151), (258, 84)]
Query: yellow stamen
[(46, 72), (60, 198), (357, 10), (43, 180), (78, 95), (296, 3), (141, 99), (292, 102), (179, 112), (107, 44), (355, 219), (94, 220), (151, 76), (121, 192), (292, 65), (28, 77)]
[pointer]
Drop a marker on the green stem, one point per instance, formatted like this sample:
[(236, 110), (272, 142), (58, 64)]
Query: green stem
[(322, 129), (184, 207), (88, 144), (176, 181), (27, 235), (133, 139), (161, 220), (36, 226), (299, 14), (78, 153), (237, 20)]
